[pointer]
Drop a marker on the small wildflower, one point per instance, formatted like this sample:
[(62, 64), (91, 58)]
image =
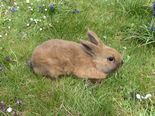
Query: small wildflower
[(27, 24), (45, 9), (0, 36), (31, 4), (9, 19), (50, 25), (148, 96), (44, 17), (51, 7), (15, 3), (17, 7), (19, 102), (105, 37), (9, 7), (138, 96), (124, 48), (9, 27), (6, 34), (9, 109), (76, 11), (31, 19), (35, 20), (31, 9), (27, 1), (13, 9), (1, 6), (40, 29)]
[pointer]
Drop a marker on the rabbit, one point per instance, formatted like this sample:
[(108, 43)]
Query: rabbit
[(87, 59)]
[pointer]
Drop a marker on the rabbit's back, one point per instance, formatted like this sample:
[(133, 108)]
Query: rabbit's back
[(58, 49), (55, 57)]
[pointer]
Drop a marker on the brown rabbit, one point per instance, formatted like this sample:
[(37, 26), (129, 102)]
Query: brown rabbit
[(88, 59)]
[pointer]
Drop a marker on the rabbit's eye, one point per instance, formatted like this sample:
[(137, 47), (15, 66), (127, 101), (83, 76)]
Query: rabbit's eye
[(111, 59)]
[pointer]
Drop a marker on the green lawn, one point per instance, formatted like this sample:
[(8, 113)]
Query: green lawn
[(122, 24)]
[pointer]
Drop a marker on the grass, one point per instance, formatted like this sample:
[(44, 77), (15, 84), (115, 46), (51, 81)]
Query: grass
[(121, 24)]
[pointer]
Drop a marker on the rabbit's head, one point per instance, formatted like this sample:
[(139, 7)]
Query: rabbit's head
[(105, 58)]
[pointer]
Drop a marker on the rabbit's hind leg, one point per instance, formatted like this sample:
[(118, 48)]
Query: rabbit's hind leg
[(53, 74)]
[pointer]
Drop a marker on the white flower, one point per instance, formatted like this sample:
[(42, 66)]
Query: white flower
[(28, 24), (15, 3), (9, 109), (31, 4), (148, 96), (31, 19), (142, 97), (40, 29), (6, 34), (50, 25), (31, 9), (124, 48), (9, 27), (36, 21), (0, 36), (138, 96), (44, 17), (45, 9), (27, 1), (105, 37)]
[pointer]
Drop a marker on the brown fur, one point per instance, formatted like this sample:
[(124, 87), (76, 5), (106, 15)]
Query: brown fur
[(88, 59)]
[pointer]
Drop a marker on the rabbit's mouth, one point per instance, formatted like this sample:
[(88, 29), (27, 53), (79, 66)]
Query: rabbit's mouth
[(108, 70)]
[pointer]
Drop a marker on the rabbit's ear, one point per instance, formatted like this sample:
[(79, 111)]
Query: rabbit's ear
[(89, 48), (93, 38)]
